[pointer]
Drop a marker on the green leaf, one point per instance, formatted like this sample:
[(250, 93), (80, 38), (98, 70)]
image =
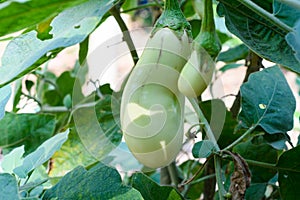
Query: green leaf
[(52, 98), (68, 28), (188, 9), (83, 50), (257, 150), (256, 191), (260, 35), (293, 40), (98, 127), (234, 54), (5, 93), (65, 83), (286, 13), (70, 155), (29, 84), (203, 149), (13, 159), (151, 190), (221, 121), (267, 101), (27, 129), (196, 187), (289, 174), (42, 154), (29, 13), (17, 95), (277, 140), (100, 182), (230, 66), (8, 187)]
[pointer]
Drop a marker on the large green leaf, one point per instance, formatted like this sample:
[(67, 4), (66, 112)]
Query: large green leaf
[(15, 16), (8, 187), (257, 150), (100, 182), (5, 93), (70, 27), (42, 154), (267, 101), (25, 129), (70, 155), (260, 35), (151, 190), (289, 174)]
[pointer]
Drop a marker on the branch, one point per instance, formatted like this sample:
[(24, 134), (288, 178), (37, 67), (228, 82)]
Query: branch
[(126, 35)]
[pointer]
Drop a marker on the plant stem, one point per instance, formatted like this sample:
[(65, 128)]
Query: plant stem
[(261, 164), (208, 23), (126, 35), (165, 176), (241, 137), (173, 174), (203, 178), (218, 168), (265, 14), (203, 120), (212, 138)]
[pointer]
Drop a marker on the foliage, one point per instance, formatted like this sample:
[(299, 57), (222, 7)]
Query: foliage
[(69, 145)]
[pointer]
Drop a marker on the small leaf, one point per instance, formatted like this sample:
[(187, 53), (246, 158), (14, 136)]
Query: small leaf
[(289, 173), (29, 84), (17, 95), (5, 93), (67, 101), (203, 149), (241, 177), (13, 159), (230, 66), (234, 54), (27, 129), (8, 187), (41, 154), (267, 101), (151, 190), (100, 182)]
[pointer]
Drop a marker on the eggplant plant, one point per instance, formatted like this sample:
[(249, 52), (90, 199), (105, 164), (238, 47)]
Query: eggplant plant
[(165, 134)]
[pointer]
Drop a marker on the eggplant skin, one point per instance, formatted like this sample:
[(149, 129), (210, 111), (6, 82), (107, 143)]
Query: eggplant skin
[(152, 108), (197, 74)]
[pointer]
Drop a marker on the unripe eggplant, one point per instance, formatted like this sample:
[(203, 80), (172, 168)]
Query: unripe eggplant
[(152, 108)]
